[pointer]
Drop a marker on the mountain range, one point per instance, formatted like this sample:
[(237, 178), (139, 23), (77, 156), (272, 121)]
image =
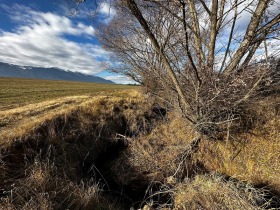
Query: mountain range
[(15, 71)]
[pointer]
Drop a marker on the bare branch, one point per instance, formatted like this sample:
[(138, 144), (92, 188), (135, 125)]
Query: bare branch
[(136, 12), (205, 7), (213, 34), (187, 44), (230, 36), (250, 33)]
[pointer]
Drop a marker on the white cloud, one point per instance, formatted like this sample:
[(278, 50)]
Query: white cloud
[(39, 40), (107, 9), (119, 79), (273, 50)]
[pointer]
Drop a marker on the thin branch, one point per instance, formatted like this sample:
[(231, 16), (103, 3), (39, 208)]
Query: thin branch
[(182, 20), (250, 34), (187, 44), (230, 37), (136, 12), (250, 91), (270, 24), (205, 7)]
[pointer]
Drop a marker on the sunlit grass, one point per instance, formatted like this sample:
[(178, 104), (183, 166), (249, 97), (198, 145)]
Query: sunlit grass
[(18, 92)]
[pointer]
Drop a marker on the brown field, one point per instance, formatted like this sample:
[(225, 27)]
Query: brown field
[(18, 92), (27, 103)]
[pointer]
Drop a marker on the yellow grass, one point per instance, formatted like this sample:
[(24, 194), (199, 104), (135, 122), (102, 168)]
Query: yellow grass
[(253, 156), (17, 122), (214, 192), (79, 128), (19, 92), (50, 176)]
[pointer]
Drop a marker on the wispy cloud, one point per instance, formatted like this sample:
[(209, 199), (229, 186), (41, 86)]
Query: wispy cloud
[(119, 79), (39, 40), (107, 9)]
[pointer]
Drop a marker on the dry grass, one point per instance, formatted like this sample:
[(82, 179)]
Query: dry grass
[(18, 122), (156, 156), (42, 187), (253, 156), (48, 151), (214, 192), (64, 152), (19, 92), (162, 156)]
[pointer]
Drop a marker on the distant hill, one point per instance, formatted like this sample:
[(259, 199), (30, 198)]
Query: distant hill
[(15, 71)]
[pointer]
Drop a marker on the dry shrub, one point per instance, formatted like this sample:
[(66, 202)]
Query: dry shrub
[(250, 154), (214, 192), (253, 156), (258, 112)]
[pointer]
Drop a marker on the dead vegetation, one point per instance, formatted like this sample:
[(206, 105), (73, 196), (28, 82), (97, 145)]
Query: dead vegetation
[(49, 163), (122, 151), (215, 192), (18, 92), (254, 154), (175, 169)]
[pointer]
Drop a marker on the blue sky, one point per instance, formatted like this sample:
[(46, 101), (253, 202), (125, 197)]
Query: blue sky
[(47, 34)]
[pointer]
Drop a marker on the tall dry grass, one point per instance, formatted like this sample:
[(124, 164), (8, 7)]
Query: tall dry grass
[(50, 162), (214, 192), (254, 155), (76, 155), (165, 157)]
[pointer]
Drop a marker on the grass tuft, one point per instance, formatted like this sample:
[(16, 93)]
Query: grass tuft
[(215, 192)]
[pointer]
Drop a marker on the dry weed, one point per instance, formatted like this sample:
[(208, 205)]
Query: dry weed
[(253, 156), (214, 192)]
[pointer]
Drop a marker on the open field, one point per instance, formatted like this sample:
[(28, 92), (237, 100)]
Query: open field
[(74, 130), (26, 103), (18, 92)]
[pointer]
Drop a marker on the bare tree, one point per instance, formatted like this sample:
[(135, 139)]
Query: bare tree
[(191, 53)]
